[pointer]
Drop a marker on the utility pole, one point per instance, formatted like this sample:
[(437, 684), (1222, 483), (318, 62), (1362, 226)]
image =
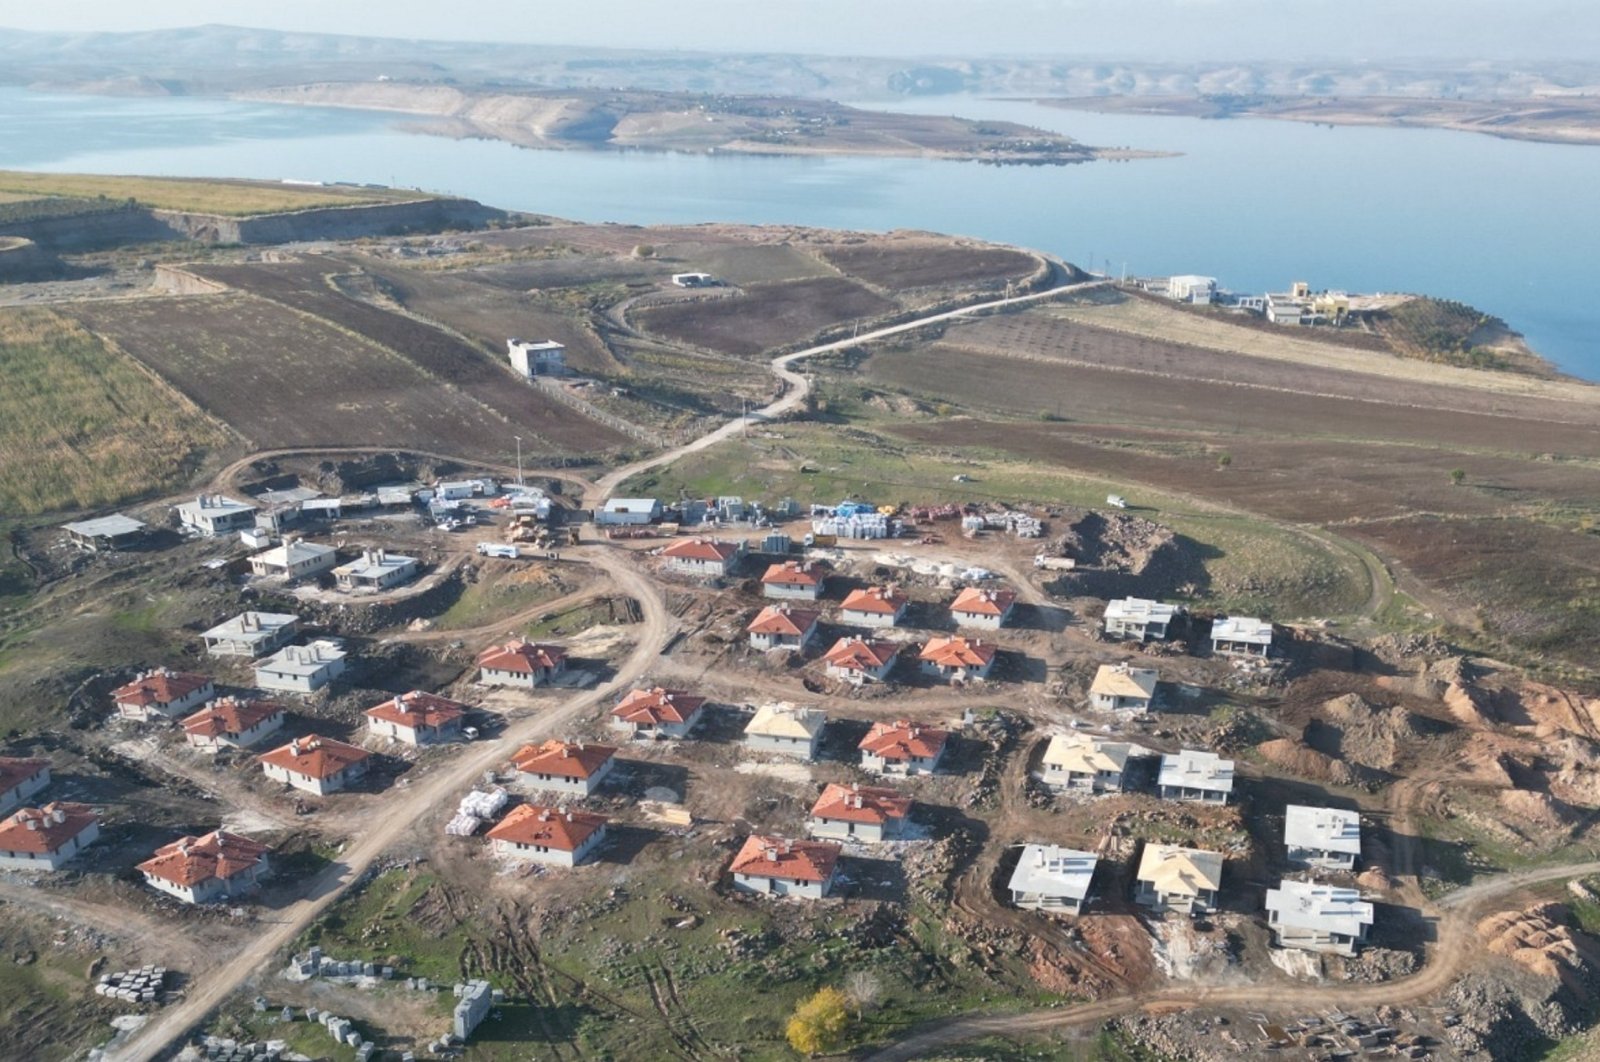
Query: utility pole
[(519, 459)]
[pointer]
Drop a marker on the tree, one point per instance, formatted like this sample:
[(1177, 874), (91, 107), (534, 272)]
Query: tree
[(862, 989), (818, 1024), (1457, 476), (1224, 460)]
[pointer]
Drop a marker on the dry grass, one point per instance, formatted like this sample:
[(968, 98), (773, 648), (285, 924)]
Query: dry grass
[(81, 426), (238, 198)]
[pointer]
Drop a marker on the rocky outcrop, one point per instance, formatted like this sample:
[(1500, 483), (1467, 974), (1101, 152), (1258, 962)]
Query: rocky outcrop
[(22, 259)]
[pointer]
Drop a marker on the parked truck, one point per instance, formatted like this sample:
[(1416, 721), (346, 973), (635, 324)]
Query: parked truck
[(1054, 564), (496, 549)]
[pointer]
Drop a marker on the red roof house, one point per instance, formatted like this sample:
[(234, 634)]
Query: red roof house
[(903, 747), (521, 663), (162, 694), (859, 660), (859, 813), (793, 580), (874, 606), (703, 556), (777, 867), (783, 627), (317, 764), (985, 609), (658, 712), (20, 778), (232, 723), (957, 659), (45, 838), (416, 718), (548, 835), (564, 766), (206, 869)]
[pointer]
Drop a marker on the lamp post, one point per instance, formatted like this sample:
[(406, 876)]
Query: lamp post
[(519, 459)]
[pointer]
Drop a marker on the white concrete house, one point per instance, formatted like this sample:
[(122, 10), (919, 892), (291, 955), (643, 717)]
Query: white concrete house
[(628, 512), (46, 838), (1241, 636), (214, 514), (556, 837), (521, 664), (162, 694), (301, 668), (773, 866), (570, 768), (1120, 687), (1321, 918), (865, 813), (794, 581), (545, 358), (859, 661), (703, 557), (985, 610), (875, 606), (20, 778), (1195, 775), (376, 569), (316, 764), (251, 634), (783, 627), (1138, 618), (417, 718), (903, 748), (218, 866), (230, 723), (294, 559), (106, 534), (1326, 838), (786, 729), (1172, 878), (1051, 878), (1081, 763)]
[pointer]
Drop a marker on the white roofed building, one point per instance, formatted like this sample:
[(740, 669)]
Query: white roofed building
[(1315, 917), (301, 668), (216, 514), (623, 512), (1195, 775), (251, 634), (294, 559), (1241, 636), (376, 569), (1051, 878), (1119, 687), (1138, 618), (106, 533), (1328, 838), (785, 729), (546, 358)]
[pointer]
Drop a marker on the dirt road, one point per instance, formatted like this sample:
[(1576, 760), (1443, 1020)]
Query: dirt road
[(404, 810)]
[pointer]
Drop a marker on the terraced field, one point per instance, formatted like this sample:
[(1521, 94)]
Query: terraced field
[(766, 316)]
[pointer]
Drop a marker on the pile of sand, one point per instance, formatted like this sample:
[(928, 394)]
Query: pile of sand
[(1539, 940), (1535, 812), (1550, 710), (1304, 762), (1363, 733), (1469, 705)]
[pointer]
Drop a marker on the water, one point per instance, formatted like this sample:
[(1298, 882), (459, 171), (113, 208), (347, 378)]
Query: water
[(1505, 225)]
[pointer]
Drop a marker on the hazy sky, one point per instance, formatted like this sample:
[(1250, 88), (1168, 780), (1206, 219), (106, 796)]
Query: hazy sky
[(1146, 29)]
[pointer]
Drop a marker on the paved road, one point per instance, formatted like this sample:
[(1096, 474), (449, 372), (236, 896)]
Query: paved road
[(402, 811)]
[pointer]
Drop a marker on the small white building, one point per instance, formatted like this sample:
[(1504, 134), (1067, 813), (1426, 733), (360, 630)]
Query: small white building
[(773, 866), (20, 778), (162, 694), (783, 627), (301, 668), (251, 634), (1193, 289), (316, 764), (417, 718), (215, 514), (786, 729), (571, 768), (1327, 838), (628, 512), (294, 559), (1172, 878), (1051, 878), (1119, 687), (218, 866), (1241, 636), (982, 609), (106, 533), (1081, 763), (46, 838), (957, 659), (231, 723), (376, 569), (557, 837), (1195, 775), (1315, 917), (902, 747), (547, 358), (874, 606), (704, 557), (1138, 618), (859, 661), (794, 581), (865, 813), (521, 664)]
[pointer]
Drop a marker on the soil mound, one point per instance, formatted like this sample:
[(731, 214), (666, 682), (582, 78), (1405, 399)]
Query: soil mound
[(1536, 811), (1551, 710), (1372, 736), (1304, 762), (1539, 940)]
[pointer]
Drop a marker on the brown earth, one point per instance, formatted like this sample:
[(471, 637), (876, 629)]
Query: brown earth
[(906, 264), (765, 316)]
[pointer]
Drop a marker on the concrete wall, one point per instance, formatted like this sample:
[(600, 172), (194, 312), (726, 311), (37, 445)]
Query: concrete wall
[(839, 830), (318, 786), (870, 619), (784, 746), (551, 856), (24, 789), (786, 592), (978, 621), (1038, 901), (780, 887)]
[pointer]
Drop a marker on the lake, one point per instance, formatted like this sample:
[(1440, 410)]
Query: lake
[(1507, 226)]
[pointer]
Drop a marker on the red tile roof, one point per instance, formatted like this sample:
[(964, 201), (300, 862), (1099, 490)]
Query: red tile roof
[(858, 654), (980, 602), (557, 828), (316, 757), (703, 549), (229, 716), (14, 771), (188, 861), (162, 686), (524, 656), (794, 573), (774, 857), (861, 803), (884, 600), (958, 652), (658, 706), (417, 709), (562, 758), (904, 740), (46, 829), (781, 619)]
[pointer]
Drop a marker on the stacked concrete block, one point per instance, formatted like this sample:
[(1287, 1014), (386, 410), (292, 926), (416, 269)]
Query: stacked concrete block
[(143, 985), (475, 998)]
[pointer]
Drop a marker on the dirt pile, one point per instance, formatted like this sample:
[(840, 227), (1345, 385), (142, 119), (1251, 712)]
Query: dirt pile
[(1120, 554), (1574, 773), (1538, 812), (1302, 762), (1539, 940), (1369, 735), (1552, 711)]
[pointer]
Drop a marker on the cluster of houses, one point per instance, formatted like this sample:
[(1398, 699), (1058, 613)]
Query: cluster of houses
[(1141, 620)]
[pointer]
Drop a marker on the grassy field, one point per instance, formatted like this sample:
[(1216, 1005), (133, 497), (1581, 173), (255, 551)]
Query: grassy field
[(489, 598), (766, 316), (205, 196), (81, 426)]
